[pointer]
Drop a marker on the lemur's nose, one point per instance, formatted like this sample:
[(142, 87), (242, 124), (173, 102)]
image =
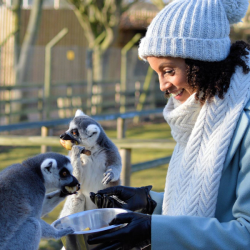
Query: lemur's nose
[(62, 136), (66, 137)]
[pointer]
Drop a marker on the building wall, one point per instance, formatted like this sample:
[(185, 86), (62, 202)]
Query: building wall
[(69, 54), (52, 22), (7, 74)]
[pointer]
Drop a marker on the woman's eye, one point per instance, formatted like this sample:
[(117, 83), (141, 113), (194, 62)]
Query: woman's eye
[(169, 71)]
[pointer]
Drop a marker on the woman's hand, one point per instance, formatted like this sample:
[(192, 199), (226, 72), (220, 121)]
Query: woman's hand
[(134, 199), (137, 233)]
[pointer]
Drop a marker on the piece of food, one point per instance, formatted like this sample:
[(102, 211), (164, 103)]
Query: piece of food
[(86, 152), (86, 229), (68, 144), (72, 190)]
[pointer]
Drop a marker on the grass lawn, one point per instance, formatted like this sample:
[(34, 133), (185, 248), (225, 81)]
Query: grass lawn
[(155, 176)]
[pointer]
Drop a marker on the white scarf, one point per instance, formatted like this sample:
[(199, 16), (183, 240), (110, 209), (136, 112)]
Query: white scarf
[(181, 118), (203, 137)]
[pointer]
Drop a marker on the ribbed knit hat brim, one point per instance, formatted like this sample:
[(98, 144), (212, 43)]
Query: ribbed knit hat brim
[(200, 49)]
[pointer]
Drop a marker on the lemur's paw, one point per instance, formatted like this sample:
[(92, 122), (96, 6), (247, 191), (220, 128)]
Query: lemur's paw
[(77, 150), (65, 231), (108, 177)]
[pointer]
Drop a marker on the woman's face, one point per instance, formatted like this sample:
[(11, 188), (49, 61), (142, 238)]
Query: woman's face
[(172, 76)]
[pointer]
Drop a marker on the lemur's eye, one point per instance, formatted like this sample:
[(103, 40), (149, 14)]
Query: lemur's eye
[(74, 132), (64, 173)]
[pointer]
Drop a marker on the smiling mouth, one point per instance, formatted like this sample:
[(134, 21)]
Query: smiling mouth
[(177, 93)]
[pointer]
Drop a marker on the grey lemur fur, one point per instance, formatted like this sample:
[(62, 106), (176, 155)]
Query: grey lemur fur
[(23, 200), (97, 171)]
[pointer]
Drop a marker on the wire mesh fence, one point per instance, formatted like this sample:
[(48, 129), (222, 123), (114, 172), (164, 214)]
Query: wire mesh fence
[(69, 79)]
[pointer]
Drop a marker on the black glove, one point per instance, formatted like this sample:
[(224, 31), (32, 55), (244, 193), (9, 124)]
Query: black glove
[(134, 199), (137, 233)]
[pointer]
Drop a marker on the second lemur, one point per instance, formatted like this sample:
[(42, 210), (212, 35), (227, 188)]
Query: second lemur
[(94, 172)]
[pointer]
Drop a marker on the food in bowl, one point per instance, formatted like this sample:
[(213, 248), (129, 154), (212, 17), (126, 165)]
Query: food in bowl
[(96, 220)]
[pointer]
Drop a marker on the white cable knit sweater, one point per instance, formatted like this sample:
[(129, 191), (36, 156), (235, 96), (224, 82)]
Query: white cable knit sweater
[(203, 137)]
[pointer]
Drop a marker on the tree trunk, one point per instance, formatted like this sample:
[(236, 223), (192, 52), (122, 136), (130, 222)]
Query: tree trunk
[(97, 76), (97, 64), (26, 49)]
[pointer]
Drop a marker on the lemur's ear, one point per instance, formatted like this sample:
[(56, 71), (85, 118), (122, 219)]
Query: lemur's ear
[(79, 113), (48, 164), (93, 129)]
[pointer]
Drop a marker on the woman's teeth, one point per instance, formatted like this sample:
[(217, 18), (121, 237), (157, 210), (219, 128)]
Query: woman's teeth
[(177, 93)]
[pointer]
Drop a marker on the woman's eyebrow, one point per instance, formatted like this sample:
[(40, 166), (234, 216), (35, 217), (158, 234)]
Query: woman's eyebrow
[(165, 64)]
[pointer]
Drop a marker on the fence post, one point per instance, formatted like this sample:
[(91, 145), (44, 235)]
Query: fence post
[(44, 133), (47, 73), (8, 106), (89, 64), (121, 128), (126, 166), (117, 94), (137, 92), (124, 51), (143, 95), (69, 100), (124, 152), (40, 104)]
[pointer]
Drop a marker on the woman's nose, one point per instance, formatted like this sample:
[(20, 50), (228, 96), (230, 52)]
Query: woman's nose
[(164, 85)]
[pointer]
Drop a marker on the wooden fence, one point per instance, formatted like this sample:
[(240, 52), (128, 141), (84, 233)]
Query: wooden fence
[(125, 145), (65, 98)]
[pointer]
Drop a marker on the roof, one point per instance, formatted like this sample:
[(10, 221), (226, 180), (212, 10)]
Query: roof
[(138, 16)]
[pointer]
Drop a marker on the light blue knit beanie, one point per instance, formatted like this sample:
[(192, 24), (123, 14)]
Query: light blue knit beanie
[(196, 29)]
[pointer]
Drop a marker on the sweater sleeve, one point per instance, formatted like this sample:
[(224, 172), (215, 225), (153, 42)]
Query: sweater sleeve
[(158, 198), (186, 232)]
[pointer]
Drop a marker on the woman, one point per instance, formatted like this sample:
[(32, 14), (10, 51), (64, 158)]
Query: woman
[(206, 203)]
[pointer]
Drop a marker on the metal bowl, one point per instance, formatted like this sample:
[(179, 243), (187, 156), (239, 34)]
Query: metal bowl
[(97, 220)]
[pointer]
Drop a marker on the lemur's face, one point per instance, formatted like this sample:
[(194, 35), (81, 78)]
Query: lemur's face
[(84, 130), (57, 172)]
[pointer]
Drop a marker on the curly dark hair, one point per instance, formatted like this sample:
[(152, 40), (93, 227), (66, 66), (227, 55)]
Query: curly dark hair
[(213, 78)]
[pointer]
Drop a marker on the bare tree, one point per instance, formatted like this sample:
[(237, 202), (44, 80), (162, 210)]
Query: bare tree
[(99, 20)]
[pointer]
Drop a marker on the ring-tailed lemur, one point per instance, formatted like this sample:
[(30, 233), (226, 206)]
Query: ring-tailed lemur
[(97, 171), (23, 202)]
